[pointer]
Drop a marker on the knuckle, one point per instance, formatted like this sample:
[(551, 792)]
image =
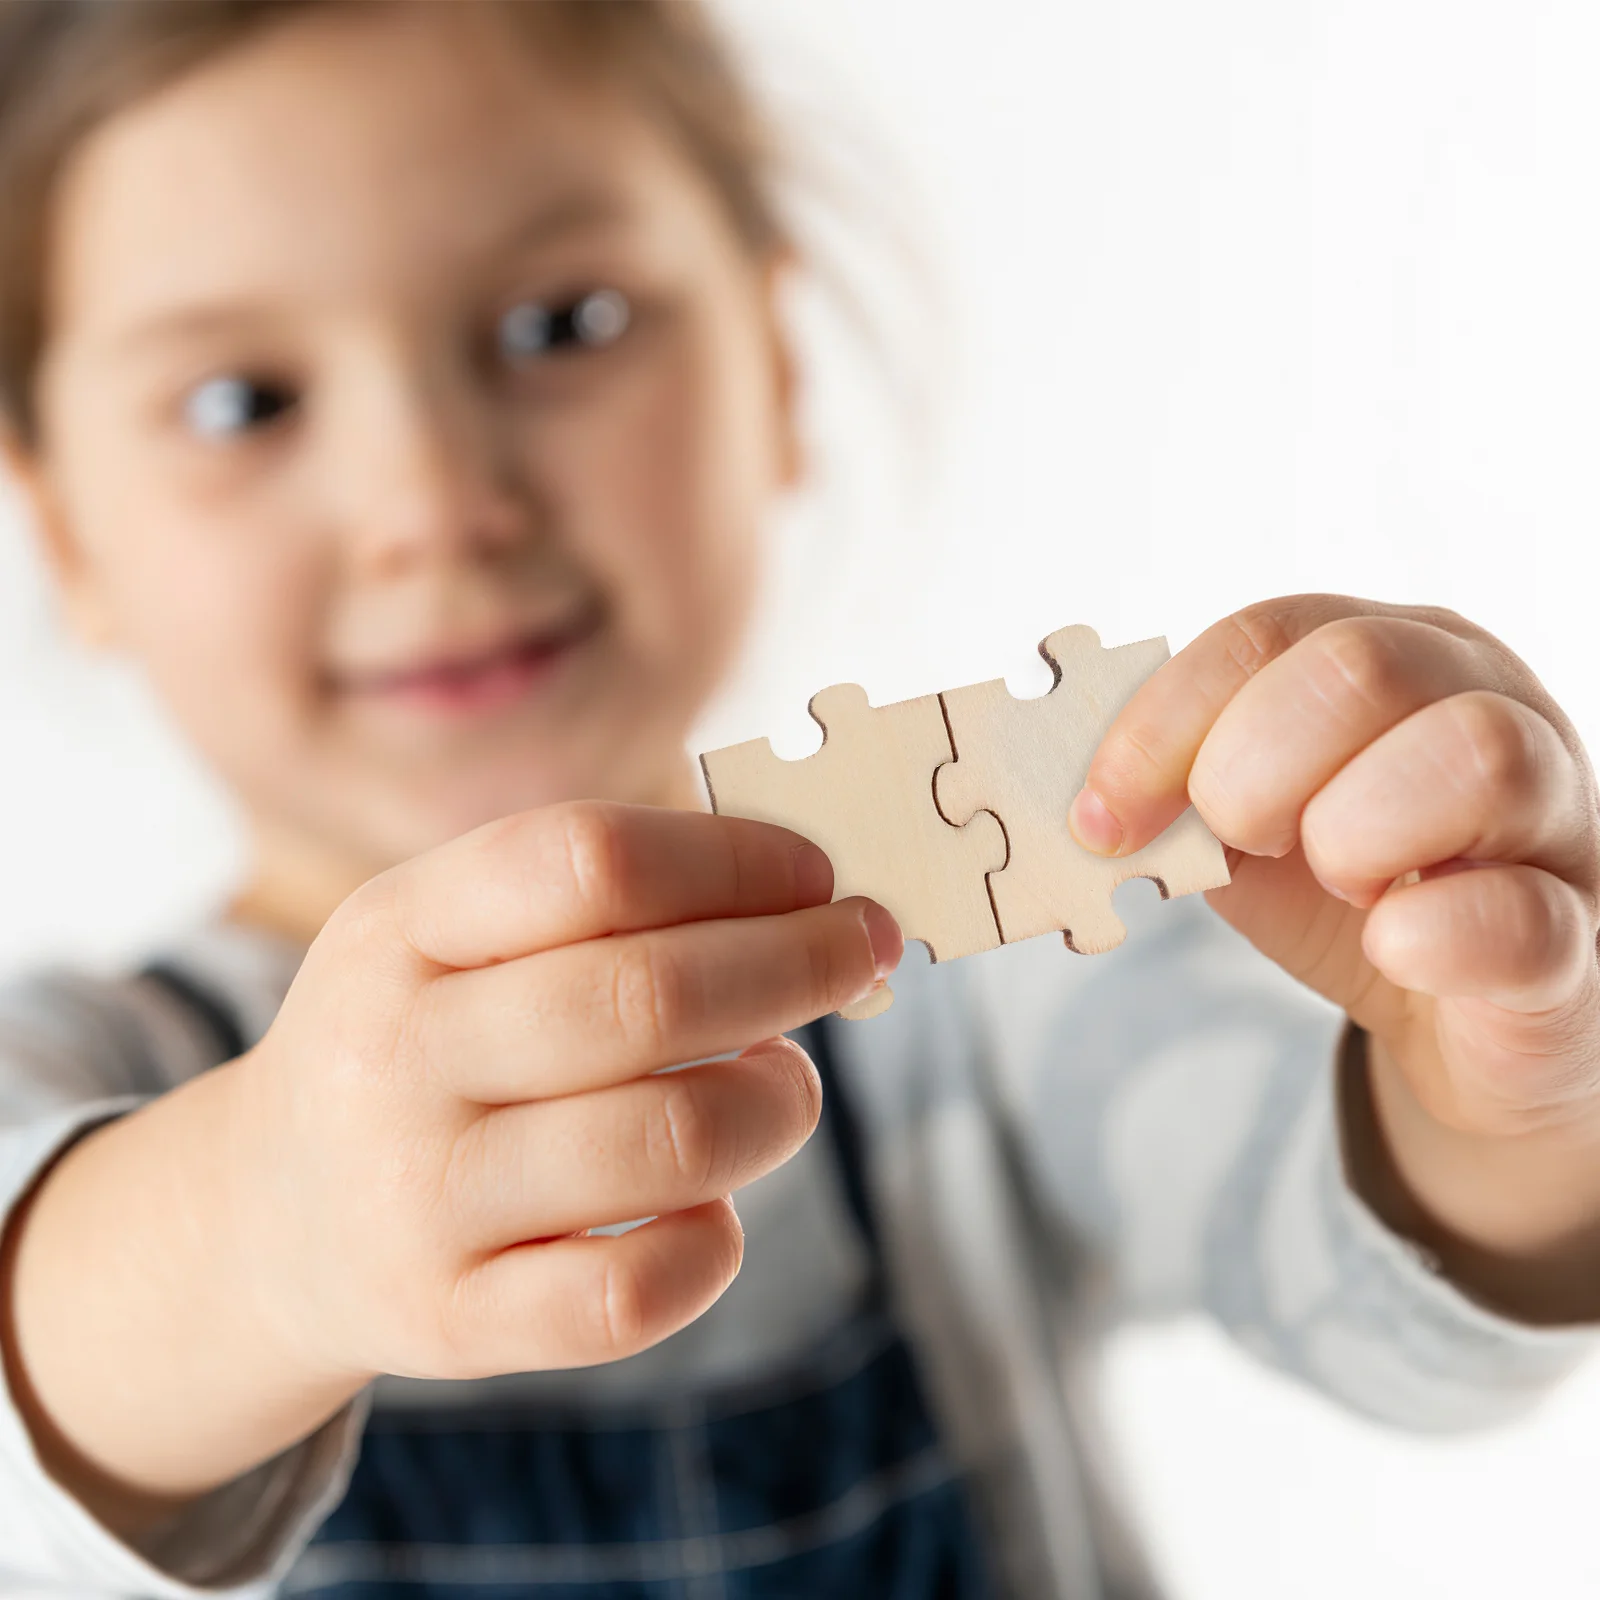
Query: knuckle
[(732, 1252), (1544, 935), (457, 1314), (684, 1135), (1211, 792), (832, 951), (1526, 938), (457, 1179), (1141, 751), (622, 1307), (1254, 637), (1502, 752), (593, 852), (1323, 837), (1359, 657), (807, 1089), (1233, 805), (651, 994), (450, 1348), (1251, 827)]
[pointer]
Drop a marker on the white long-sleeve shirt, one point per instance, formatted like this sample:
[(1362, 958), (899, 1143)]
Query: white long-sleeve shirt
[(1053, 1143)]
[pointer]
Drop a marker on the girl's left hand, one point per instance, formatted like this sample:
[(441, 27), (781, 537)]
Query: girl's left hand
[(1414, 833)]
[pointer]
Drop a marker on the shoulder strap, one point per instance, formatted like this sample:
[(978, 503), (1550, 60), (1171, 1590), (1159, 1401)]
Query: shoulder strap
[(838, 1116), (202, 1003)]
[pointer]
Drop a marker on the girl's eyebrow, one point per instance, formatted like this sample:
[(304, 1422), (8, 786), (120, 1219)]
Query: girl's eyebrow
[(188, 321), (578, 211)]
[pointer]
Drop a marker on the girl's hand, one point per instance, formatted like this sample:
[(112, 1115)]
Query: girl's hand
[(398, 1177), (464, 1078), (1414, 833)]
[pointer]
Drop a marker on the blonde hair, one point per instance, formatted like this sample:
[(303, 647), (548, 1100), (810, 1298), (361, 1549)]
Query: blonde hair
[(67, 65)]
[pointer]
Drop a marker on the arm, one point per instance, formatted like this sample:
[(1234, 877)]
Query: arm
[(76, 1053), (128, 1302), (1512, 1220), (1184, 1110), (1414, 833), (399, 1177)]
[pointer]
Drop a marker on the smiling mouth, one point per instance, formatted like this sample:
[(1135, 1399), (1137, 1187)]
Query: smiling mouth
[(480, 680)]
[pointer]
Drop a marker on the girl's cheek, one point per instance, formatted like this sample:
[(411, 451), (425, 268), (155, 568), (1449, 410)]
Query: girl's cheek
[(220, 617), (194, 581), (668, 490)]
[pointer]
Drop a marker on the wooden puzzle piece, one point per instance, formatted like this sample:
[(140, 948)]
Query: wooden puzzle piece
[(866, 797), (1025, 760)]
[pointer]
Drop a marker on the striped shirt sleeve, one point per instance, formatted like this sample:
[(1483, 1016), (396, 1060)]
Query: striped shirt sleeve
[(75, 1052), (1179, 1111)]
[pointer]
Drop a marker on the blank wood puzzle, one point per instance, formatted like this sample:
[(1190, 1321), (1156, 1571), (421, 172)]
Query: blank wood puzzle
[(866, 797), (1024, 760), (951, 810)]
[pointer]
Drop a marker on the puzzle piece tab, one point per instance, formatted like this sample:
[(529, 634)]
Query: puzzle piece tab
[(1025, 760), (866, 797)]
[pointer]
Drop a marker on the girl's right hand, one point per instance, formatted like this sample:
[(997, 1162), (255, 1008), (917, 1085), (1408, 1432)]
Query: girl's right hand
[(465, 1077)]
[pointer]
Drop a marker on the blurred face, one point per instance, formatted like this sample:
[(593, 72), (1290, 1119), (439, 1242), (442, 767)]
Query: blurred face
[(408, 411)]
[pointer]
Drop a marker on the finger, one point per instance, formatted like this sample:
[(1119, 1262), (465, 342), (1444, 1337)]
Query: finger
[(592, 1014), (657, 1144), (576, 871), (1138, 781), (1476, 776), (1515, 936), (576, 1302), (1296, 724)]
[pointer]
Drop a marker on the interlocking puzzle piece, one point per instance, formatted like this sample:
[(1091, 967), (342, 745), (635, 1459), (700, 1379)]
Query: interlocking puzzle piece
[(866, 797), (1024, 760)]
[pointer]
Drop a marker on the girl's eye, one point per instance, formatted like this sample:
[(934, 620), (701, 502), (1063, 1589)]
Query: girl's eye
[(529, 329), (221, 407)]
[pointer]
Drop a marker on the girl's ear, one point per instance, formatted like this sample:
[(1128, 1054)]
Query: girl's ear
[(791, 456), (70, 571)]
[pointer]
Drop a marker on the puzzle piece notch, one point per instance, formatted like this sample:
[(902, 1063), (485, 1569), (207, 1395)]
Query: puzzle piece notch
[(1025, 760), (866, 797)]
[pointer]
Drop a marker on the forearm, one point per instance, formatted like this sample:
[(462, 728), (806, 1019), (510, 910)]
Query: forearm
[(133, 1343), (1514, 1221)]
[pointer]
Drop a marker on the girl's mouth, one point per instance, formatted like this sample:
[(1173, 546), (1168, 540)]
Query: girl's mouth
[(457, 682)]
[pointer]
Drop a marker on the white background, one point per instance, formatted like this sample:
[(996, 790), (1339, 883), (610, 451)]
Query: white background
[(1238, 299)]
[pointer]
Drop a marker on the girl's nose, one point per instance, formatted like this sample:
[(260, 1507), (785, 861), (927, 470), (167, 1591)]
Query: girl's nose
[(428, 476)]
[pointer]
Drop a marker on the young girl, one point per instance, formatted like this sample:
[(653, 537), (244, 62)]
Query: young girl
[(401, 386)]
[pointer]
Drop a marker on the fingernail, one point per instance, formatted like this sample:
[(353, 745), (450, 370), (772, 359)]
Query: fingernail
[(1092, 824), (883, 933), (813, 875)]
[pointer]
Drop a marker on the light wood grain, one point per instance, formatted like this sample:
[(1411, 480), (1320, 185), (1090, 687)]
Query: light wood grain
[(1025, 760), (905, 799), (866, 797)]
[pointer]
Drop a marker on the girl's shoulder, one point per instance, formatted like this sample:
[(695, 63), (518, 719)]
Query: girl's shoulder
[(69, 1034)]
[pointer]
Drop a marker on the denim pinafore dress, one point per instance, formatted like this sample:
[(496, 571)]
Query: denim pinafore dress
[(824, 1479)]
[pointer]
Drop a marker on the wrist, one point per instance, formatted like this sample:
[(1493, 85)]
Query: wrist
[(265, 1262), (146, 1374), (1512, 1219)]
